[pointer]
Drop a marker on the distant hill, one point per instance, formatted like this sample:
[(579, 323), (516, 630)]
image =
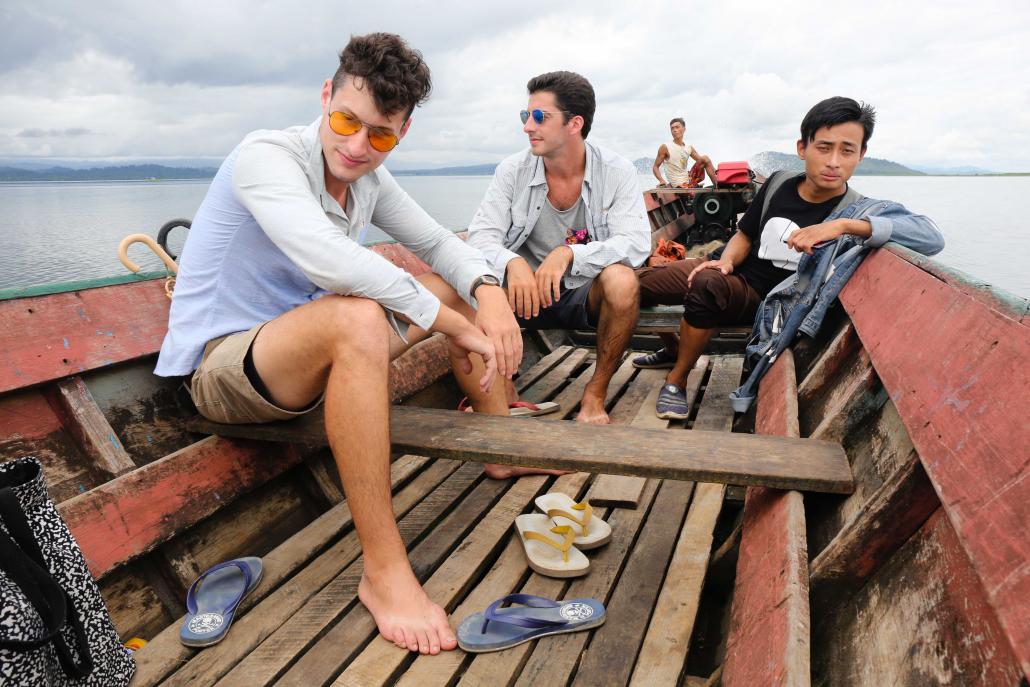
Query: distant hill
[(113, 173), (767, 162), (468, 170), (643, 164), (965, 169)]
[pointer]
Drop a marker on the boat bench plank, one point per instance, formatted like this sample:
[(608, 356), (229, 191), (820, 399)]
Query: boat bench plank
[(769, 641), (131, 514), (666, 644), (803, 464)]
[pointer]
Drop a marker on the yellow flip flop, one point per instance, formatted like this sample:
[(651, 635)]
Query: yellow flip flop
[(548, 548), (590, 532)]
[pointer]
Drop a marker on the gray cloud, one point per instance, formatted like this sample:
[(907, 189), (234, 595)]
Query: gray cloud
[(52, 133), (182, 79)]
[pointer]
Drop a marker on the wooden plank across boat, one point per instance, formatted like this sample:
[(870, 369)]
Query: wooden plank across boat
[(915, 572)]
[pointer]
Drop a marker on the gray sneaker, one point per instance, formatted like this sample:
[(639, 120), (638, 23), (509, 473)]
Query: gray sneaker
[(659, 360), (672, 403)]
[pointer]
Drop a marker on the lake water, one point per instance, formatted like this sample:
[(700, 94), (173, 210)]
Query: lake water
[(54, 232)]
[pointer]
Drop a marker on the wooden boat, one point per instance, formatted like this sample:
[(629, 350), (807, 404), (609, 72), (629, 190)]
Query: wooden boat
[(920, 576)]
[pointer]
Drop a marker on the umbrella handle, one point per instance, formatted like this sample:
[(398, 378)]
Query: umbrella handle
[(123, 254)]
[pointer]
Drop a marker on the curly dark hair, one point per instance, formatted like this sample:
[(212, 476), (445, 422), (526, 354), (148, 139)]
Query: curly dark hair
[(396, 75)]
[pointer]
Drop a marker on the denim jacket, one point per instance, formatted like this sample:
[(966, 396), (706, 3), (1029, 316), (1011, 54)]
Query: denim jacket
[(798, 304)]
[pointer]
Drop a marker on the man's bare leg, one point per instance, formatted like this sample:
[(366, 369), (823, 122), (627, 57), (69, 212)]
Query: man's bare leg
[(670, 342), (692, 342), (615, 297), (341, 345), (493, 402)]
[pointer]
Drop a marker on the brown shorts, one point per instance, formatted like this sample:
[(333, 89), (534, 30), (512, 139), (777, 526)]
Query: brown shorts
[(713, 299), (222, 391)]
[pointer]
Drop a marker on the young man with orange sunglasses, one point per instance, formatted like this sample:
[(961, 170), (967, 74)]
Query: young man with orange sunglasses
[(278, 307)]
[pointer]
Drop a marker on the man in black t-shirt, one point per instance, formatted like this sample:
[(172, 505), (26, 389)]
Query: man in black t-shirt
[(727, 288)]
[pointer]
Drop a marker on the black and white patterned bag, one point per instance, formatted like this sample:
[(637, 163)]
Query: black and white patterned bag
[(54, 626)]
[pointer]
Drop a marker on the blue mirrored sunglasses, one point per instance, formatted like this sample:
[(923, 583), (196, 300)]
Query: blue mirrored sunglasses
[(538, 115)]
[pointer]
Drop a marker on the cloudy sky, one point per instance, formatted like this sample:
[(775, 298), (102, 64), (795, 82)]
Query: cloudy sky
[(187, 79)]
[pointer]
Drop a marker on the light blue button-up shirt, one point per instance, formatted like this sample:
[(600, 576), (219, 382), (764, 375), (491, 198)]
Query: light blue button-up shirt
[(268, 238), (616, 217)]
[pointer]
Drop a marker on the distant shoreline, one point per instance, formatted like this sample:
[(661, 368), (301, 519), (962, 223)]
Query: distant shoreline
[(29, 182)]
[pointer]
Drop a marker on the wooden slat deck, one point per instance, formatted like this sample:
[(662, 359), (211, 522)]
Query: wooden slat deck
[(303, 625)]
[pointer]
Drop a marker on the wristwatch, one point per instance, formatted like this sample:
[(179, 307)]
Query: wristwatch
[(485, 279)]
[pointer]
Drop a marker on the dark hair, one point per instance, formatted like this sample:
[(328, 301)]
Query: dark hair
[(572, 92), (838, 110), (395, 74), (677, 119)]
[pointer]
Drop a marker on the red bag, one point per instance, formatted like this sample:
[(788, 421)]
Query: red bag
[(733, 173)]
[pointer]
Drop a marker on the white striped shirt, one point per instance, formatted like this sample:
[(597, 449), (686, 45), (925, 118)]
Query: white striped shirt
[(615, 216)]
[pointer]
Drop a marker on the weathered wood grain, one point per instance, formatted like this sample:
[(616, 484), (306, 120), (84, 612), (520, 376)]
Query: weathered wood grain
[(665, 647), (504, 577), (332, 628), (922, 619), (608, 660), (133, 513), (542, 367), (94, 435), (769, 640), (48, 337), (664, 650), (694, 456), (543, 387), (554, 662), (884, 524), (252, 525), (970, 352), (165, 653), (294, 614), (624, 491), (381, 660)]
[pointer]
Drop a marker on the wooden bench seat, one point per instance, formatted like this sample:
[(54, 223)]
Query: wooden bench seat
[(744, 459)]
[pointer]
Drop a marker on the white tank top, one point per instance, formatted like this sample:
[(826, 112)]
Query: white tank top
[(677, 165)]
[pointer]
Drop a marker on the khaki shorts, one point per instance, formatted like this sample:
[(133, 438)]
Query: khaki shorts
[(222, 391)]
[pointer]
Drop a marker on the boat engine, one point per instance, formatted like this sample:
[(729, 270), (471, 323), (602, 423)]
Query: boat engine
[(694, 216)]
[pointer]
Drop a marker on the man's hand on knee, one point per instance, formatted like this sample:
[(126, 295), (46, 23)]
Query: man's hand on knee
[(494, 318), (724, 266), (464, 339)]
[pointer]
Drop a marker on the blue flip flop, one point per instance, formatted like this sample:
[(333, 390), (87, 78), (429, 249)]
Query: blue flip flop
[(213, 597), (501, 628)]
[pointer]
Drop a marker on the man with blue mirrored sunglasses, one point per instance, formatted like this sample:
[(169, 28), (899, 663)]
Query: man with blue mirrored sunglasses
[(563, 225)]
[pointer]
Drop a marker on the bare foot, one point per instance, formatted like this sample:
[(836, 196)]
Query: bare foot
[(404, 614), (591, 411), (494, 471)]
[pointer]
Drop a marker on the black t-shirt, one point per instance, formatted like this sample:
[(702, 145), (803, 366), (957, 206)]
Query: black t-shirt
[(770, 261)]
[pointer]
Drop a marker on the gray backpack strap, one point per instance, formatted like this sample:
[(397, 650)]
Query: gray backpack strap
[(851, 196), (774, 182)]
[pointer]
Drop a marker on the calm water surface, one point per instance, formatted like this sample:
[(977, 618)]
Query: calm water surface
[(53, 232)]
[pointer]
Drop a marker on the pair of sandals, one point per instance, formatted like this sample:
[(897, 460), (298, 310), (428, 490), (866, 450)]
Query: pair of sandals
[(554, 543)]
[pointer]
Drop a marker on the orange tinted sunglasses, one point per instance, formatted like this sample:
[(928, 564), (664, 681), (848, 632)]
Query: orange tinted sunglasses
[(347, 124)]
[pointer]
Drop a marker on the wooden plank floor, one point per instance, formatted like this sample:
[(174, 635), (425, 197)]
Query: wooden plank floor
[(304, 625)]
